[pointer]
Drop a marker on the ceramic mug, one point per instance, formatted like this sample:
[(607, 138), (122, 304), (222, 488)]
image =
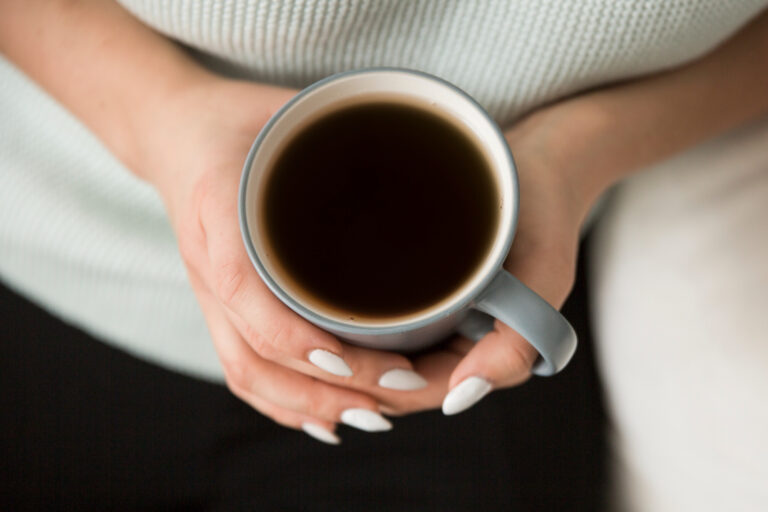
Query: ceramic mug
[(490, 293)]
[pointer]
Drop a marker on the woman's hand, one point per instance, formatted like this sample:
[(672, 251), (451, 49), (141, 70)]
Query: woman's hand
[(176, 125), (570, 152), (543, 256), (282, 365), (290, 370), (188, 132)]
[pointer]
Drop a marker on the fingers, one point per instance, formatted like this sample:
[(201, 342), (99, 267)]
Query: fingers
[(321, 430), (503, 358), (251, 375), (384, 369), (372, 370), (269, 326), (436, 367), (272, 329), (286, 354), (288, 397), (351, 366)]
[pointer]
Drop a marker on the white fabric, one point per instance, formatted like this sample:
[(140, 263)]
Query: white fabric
[(680, 288), (89, 242), (511, 55), (681, 267)]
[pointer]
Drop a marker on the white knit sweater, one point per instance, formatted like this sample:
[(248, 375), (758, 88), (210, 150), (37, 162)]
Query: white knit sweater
[(89, 242)]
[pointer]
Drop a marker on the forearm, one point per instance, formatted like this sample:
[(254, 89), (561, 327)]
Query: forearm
[(604, 135), (102, 64)]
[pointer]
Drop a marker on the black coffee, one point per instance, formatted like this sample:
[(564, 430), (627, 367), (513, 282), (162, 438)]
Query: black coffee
[(381, 209)]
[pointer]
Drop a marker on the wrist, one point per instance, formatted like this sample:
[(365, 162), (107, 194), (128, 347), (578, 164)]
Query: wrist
[(199, 135), (581, 147), (565, 141), (154, 119)]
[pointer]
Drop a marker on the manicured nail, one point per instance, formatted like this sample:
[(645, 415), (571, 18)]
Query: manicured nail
[(365, 419), (320, 433), (465, 395), (404, 380), (330, 362)]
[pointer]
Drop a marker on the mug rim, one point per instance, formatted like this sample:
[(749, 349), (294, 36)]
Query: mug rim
[(329, 323)]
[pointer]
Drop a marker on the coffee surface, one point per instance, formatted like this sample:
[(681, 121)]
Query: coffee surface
[(380, 209)]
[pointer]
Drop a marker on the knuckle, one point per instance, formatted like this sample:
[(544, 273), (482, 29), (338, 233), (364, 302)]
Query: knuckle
[(398, 409), (514, 362), (202, 197), (202, 204), (417, 402), (236, 378), (281, 335), (230, 278), (259, 342), (321, 402), (192, 240), (315, 402), (188, 250), (191, 244)]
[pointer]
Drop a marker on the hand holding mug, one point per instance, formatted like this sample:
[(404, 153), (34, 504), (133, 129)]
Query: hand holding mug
[(290, 370), (283, 365), (394, 239)]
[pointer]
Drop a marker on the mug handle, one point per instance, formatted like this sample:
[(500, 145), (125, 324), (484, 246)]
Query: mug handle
[(509, 300)]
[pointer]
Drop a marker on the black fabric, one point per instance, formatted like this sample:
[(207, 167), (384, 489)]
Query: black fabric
[(87, 427)]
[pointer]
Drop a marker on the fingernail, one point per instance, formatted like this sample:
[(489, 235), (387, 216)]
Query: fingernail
[(404, 380), (320, 433), (330, 362), (465, 395), (365, 419)]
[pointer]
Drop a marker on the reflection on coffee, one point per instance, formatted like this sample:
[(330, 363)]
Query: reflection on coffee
[(380, 209)]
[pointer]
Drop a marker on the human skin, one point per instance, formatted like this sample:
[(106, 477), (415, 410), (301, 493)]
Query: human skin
[(187, 131)]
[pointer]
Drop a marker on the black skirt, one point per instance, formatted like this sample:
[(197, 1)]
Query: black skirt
[(84, 426)]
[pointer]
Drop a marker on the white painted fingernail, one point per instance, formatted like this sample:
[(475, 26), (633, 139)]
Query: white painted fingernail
[(404, 380), (365, 419), (465, 395), (330, 362), (320, 433)]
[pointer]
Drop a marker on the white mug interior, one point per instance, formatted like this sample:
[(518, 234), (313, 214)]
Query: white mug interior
[(372, 86)]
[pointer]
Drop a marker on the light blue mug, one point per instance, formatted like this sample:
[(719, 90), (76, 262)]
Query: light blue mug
[(491, 292)]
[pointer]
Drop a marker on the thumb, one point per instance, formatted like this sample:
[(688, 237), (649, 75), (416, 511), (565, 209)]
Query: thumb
[(503, 358)]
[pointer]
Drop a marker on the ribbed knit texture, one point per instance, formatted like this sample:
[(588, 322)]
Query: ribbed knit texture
[(510, 54), (84, 238)]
